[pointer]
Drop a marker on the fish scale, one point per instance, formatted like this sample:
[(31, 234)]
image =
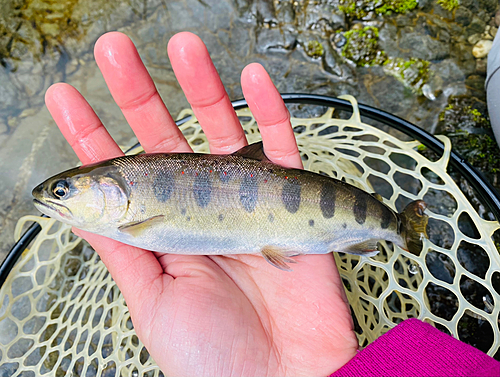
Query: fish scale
[(225, 204)]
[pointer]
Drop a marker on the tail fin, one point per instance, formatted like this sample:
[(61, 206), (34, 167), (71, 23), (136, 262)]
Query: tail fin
[(413, 224)]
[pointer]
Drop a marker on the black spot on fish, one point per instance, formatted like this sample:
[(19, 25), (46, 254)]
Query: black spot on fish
[(188, 218), (327, 200), (311, 222), (360, 206), (163, 185), (202, 189), (386, 217), (270, 218), (291, 195), (221, 217), (183, 211), (249, 193), (344, 225)]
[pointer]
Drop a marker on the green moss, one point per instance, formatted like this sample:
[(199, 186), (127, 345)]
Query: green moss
[(362, 47), (314, 49), (360, 8), (465, 122), (397, 6), (352, 9), (449, 5), (421, 147), (413, 72)]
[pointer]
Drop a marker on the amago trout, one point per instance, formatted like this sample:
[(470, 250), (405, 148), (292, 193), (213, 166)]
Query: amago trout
[(226, 204)]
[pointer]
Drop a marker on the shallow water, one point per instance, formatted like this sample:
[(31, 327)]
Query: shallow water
[(46, 42)]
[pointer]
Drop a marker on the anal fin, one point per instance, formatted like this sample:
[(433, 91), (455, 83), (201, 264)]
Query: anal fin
[(278, 257), (367, 248), (136, 228)]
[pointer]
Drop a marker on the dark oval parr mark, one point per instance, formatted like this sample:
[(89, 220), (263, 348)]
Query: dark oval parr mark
[(360, 206), (249, 193), (202, 189), (163, 185), (291, 195), (327, 200), (386, 218)]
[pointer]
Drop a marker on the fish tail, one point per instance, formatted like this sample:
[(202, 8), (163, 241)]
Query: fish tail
[(413, 226)]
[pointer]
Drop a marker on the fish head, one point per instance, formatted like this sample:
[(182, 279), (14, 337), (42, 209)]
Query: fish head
[(88, 198)]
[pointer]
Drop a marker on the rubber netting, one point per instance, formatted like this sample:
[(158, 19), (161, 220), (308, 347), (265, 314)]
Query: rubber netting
[(61, 313)]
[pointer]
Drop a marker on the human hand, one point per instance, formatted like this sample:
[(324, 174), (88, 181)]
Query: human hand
[(210, 315)]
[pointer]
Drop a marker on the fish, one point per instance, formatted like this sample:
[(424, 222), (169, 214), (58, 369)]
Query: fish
[(241, 203)]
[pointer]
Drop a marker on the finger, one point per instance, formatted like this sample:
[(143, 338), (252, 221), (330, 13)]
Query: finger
[(80, 125), (271, 115), (206, 94), (135, 93)]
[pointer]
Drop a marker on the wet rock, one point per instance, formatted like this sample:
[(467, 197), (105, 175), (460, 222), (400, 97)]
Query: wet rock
[(362, 47), (474, 38), (488, 5), (493, 31), (387, 35), (481, 67), (423, 46), (487, 36), (481, 49), (465, 122), (9, 93), (332, 64), (275, 40), (339, 40), (475, 85), (425, 5), (285, 12), (447, 77), (497, 18), (413, 73), (445, 8), (476, 26), (461, 53), (463, 16), (321, 17)]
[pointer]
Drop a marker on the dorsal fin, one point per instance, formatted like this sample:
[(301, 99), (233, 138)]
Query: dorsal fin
[(378, 197), (254, 151)]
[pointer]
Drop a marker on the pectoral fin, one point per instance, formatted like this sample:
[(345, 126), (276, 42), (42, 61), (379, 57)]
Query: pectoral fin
[(367, 248), (278, 257), (136, 228)]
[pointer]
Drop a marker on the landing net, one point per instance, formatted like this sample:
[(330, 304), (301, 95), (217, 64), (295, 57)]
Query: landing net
[(61, 313)]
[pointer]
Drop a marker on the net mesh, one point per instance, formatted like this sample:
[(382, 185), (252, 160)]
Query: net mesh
[(61, 313)]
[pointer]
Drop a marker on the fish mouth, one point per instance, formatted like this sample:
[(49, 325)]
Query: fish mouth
[(53, 208)]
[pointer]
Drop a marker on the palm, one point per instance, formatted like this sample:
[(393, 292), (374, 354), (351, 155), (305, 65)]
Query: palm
[(217, 315)]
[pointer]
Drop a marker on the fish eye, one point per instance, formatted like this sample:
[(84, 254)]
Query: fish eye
[(61, 189)]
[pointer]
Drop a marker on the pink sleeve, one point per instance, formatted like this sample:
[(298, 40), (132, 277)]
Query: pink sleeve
[(415, 348)]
